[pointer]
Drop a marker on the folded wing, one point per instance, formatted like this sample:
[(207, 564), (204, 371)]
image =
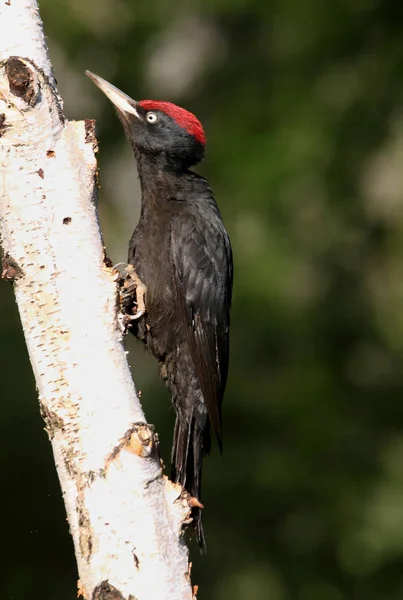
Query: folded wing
[(202, 267)]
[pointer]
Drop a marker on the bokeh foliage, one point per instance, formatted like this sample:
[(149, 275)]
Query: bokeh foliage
[(302, 106)]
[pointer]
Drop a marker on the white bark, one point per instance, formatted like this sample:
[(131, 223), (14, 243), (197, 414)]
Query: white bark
[(125, 517)]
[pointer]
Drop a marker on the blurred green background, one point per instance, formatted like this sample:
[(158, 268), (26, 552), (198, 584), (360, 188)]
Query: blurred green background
[(302, 106)]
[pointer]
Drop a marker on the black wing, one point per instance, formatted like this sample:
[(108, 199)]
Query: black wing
[(202, 266)]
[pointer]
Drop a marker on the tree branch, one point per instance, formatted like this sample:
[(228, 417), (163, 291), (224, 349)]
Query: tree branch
[(125, 517)]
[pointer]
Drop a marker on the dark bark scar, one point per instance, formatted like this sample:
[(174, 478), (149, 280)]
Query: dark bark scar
[(106, 591), (107, 261), (90, 137), (10, 268), (3, 125), (84, 524), (53, 422), (20, 80)]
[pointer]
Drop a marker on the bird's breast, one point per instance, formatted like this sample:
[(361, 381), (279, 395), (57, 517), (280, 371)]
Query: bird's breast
[(151, 257)]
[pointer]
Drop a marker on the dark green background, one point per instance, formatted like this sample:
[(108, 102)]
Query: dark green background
[(302, 106)]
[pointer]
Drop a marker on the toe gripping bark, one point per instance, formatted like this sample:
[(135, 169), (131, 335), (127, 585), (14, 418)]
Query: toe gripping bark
[(132, 292)]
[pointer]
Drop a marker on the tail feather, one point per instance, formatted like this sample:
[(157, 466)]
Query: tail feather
[(190, 444)]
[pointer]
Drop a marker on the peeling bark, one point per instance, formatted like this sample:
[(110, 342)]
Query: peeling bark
[(125, 517)]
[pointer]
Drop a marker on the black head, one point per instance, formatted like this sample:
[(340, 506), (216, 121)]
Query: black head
[(166, 134)]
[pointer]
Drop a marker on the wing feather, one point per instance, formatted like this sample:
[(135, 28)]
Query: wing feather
[(202, 267)]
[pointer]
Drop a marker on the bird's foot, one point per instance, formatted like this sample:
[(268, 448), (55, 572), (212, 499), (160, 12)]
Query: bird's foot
[(194, 502), (132, 293), (124, 322)]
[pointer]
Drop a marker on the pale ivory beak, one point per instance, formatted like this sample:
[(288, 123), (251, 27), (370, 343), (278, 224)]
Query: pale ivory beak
[(122, 102)]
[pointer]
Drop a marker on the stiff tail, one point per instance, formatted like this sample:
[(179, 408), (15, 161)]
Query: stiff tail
[(190, 444)]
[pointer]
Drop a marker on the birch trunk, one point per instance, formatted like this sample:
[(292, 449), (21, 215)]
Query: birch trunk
[(125, 517)]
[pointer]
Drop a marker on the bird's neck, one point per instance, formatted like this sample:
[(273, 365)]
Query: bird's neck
[(160, 182)]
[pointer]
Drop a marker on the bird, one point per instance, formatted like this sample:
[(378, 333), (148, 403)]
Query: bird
[(181, 253)]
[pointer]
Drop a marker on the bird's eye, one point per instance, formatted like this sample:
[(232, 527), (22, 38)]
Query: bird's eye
[(151, 117)]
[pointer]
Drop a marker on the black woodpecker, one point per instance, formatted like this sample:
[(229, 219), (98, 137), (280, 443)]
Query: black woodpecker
[(182, 254)]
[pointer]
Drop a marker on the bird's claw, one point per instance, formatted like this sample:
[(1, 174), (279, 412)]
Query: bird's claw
[(121, 271), (194, 502), (137, 315), (131, 291), (123, 322)]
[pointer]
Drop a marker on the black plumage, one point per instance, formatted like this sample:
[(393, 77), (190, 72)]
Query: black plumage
[(181, 251)]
